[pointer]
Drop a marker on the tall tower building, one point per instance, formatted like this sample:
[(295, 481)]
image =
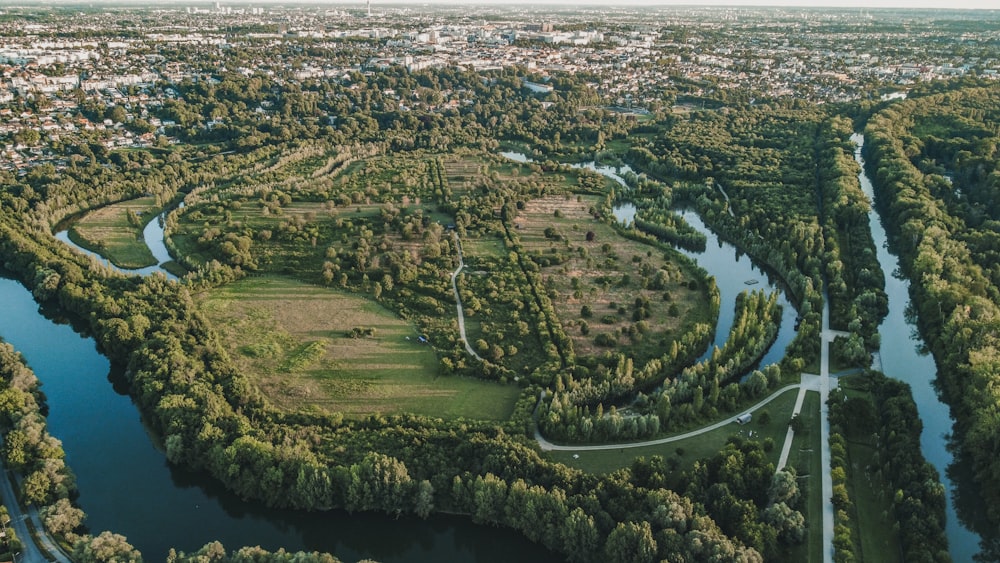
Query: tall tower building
[(369, 8)]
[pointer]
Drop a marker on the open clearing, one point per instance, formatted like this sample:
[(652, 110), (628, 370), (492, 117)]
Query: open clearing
[(113, 233), (293, 339), (620, 281)]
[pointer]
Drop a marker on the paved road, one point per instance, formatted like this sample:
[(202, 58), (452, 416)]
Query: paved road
[(458, 300), (30, 553), (549, 446)]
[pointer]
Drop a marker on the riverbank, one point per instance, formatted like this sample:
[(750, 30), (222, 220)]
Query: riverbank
[(901, 357), (121, 473)]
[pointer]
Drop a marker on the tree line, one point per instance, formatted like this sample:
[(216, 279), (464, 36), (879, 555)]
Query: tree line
[(945, 235)]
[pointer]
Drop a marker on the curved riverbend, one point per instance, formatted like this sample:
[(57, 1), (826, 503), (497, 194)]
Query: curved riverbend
[(126, 485), (152, 234), (901, 358)]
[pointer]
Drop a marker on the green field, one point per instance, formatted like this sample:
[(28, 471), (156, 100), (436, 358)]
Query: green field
[(805, 458), (695, 448), (293, 340), (115, 232), (872, 495)]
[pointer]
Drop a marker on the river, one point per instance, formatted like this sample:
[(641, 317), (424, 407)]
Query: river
[(127, 486), (903, 357), (152, 234)]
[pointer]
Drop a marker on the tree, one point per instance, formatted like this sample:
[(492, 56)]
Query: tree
[(29, 137), (784, 487), (424, 499), (379, 482), (36, 487), (631, 542), (105, 548), (62, 517), (15, 455), (790, 524), (797, 424), (580, 537), (117, 114)]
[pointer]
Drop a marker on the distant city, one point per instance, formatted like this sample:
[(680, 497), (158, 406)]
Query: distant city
[(632, 56)]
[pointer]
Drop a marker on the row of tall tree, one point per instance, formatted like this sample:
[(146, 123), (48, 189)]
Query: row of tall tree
[(945, 232), (702, 390)]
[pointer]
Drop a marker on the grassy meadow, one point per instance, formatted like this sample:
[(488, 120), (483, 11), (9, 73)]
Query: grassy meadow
[(115, 232), (295, 340)]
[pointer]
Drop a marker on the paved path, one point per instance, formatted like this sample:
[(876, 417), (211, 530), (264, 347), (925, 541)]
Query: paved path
[(458, 300), (809, 383), (30, 553), (725, 195), (827, 336), (549, 446)]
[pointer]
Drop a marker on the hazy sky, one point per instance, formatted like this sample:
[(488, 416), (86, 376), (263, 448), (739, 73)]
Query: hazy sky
[(952, 4)]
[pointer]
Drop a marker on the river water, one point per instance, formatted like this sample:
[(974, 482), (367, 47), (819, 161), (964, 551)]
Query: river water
[(127, 486), (152, 234), (903, 358)]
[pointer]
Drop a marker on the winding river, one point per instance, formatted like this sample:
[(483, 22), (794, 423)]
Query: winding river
[(152, 234), (127, 486), (902, 358)]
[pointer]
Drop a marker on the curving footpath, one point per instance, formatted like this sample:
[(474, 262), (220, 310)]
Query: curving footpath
[(458, 300), (30, 551), (545, 445)]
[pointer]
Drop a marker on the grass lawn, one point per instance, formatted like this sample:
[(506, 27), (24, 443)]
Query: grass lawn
[(488, 246), (871, 495), (872, 507), (292, 338), (805, 458), (698, 447), (110, 232), (619, 146)]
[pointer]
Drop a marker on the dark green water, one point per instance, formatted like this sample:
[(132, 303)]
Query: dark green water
[(127, 487)]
